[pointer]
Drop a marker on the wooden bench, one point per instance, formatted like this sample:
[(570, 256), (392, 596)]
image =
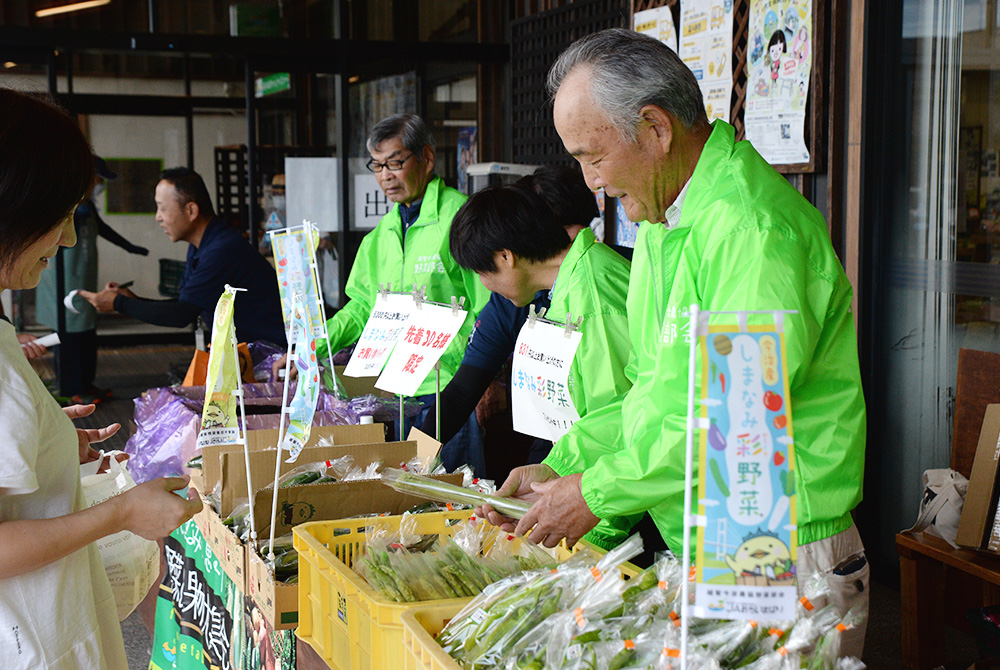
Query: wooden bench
[(938, 583)]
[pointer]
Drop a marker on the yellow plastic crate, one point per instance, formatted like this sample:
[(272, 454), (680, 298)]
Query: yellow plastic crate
[(421, 627), (350, 624)]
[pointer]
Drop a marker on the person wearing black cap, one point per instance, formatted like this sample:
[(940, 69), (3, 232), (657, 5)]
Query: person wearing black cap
[(76, 366)]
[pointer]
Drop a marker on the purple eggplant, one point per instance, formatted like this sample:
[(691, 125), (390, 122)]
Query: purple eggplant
[(715, 438)]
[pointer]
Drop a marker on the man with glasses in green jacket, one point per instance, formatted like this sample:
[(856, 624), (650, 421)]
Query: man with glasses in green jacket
[(722, 229), (409, 246)]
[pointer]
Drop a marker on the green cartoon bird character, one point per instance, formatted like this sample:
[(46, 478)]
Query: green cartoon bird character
[(762, 560)]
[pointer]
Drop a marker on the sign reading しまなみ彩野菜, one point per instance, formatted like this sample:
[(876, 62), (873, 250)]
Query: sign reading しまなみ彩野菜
[(746, 550)]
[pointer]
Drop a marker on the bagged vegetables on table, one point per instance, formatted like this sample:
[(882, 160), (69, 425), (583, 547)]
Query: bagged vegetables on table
[(566, 619), (408, 567)]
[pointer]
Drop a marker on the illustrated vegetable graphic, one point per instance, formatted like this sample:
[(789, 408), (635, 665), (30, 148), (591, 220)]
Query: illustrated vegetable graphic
[(780, 421), (772, 401), (713, 466), (715, 438)]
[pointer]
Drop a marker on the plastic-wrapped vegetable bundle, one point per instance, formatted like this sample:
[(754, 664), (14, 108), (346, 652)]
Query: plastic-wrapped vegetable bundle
[(599, 597), (425, 487), (407, 567), (238, 520), (286, 558), (483, 633)]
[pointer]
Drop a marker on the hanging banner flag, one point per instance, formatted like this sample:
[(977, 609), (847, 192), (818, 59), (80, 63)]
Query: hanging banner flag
[(746, 549), (219, 423), (779, 63), (383, 328), (539, 382), (706, 46), (194, 605), (426, 336), (657, 22), (295, 262), (303, 404)]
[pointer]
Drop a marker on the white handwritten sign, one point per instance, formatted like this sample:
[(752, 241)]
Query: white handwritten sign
[(383, 328), (539, 382), (426, 336)]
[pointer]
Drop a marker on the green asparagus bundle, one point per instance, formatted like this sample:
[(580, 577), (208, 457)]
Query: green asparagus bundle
[(425, 487), (406, 567)]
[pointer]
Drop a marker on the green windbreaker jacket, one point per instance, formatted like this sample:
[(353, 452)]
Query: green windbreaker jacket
[(593, 283), (746, 240), (426, 261)]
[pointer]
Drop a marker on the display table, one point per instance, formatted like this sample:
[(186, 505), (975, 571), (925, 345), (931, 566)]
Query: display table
[(937, 580)]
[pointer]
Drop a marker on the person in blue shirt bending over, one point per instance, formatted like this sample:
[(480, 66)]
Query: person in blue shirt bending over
[(218, 255)]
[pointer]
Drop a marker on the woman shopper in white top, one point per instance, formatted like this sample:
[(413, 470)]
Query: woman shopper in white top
[(56, 606)]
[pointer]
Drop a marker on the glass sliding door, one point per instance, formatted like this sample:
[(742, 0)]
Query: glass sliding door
[(932, 243)]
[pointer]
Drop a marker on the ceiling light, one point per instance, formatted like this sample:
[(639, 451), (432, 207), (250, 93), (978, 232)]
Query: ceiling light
[(74, 7), (9, 64)]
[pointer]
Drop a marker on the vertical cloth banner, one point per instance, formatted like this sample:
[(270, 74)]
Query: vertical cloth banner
[(746, 548), (383, 328), (779, 63), (426, 336), (539, 381), (295, 261), (302, 406), (706, 46), (194, 624), (219, 423)]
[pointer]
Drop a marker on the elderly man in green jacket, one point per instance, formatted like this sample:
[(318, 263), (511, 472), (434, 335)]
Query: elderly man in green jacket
[(409, 246), (722, 229)]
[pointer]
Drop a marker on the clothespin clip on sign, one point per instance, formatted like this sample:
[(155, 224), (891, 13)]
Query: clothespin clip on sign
[(457, 304), (533, 315), (570, 325), (418, 296), (383, 290)]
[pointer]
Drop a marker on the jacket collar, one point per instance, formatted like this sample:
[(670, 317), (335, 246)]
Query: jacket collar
[(430, 204), (716, 152), (585, 239)]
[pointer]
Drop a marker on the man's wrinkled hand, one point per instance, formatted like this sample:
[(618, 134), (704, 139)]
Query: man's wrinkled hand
[(517, 485), (560, 512)]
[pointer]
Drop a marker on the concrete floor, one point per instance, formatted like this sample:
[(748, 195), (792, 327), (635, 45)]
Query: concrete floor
[(129, 371)]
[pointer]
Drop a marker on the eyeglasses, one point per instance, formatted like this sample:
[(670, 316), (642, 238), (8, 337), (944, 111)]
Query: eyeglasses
[(392, 166)]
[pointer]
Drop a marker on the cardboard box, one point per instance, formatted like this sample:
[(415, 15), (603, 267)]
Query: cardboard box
[(277, 601), (977, 526), (225, 545), (234, 478), (355, 386), (259, 440)]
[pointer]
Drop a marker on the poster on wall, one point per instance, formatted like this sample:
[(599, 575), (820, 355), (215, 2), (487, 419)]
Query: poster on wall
[(745, 563), (659, 23), (706, 46), (778, 67)]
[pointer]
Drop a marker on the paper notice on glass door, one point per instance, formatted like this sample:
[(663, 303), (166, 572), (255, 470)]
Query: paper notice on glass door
[(779, 62), (706, 46), (659, 23)]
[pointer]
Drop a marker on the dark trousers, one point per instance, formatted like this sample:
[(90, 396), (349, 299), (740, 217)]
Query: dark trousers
[(76, 362)]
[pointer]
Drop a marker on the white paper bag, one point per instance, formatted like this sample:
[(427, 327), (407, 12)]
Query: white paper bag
[(131, 562)]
